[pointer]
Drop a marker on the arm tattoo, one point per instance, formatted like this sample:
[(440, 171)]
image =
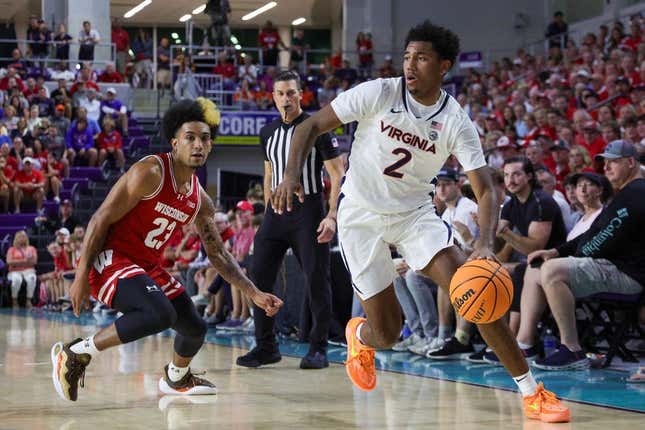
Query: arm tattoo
[(222, 260)]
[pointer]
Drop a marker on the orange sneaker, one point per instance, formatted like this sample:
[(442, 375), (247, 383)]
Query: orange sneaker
[(545, 406), (360, 358)]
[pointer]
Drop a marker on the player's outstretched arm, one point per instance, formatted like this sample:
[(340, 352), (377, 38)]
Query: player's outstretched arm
[(302, 141), (487, 212), (224, 262), (141, 180)]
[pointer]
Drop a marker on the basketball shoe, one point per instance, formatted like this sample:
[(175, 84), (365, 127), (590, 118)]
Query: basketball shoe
[(545, 406), (360, 358), (68, 368), (189, 385)]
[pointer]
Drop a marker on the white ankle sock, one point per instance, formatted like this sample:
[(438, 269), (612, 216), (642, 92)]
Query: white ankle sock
[(86, 346), (524, 345), (176, 373), (526, 383), (358, 333)]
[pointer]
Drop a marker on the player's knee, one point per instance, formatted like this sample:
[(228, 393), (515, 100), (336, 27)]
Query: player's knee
[(167, 318)]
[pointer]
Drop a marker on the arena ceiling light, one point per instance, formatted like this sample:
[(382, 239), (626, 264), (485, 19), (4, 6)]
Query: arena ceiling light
[(298, 21), (199, 10), (259, 11), (135, 10), (185, 17), (174, 35)]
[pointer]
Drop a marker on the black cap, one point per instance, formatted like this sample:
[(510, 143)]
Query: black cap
[(597, 179), (449, 174)]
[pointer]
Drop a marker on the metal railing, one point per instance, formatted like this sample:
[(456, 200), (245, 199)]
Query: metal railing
[(25, 47)]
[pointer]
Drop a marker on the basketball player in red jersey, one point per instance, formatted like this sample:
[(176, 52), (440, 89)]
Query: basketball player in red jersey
[(121, 251)]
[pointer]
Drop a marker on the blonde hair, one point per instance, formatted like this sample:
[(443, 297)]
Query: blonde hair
[(585, 155), (15, 238)]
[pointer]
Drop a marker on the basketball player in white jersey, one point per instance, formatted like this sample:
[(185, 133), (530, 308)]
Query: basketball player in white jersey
[(407, 128)]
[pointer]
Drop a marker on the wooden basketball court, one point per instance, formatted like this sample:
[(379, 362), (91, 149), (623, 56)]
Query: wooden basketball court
[(121, 392)]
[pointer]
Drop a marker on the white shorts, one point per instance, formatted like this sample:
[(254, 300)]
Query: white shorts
[(365, 238)]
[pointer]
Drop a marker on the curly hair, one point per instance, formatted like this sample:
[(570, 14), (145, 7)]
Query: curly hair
[(201, 110), (444, 41)]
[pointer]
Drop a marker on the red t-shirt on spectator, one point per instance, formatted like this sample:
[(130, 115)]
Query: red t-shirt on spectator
[(227, 70), (269, 39), (110, 140), (364, 55), (12, 162), (111, 78), (58, 167), (173, 243), (61, 262), (595, 147), (120, 38), (35, 177), (88, 85), (4, 83), (193, 244), (9, 172), (42, 158)]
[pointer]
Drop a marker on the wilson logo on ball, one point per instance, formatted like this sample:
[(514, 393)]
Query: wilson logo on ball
[(460, 301)]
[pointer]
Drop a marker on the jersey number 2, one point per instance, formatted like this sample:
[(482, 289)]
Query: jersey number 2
[(391, 170), (153, 240)]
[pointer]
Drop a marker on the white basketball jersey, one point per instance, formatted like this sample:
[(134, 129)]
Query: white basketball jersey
[(395, 156)]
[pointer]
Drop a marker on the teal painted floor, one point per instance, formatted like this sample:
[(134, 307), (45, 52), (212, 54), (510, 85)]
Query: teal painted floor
[(601, 387)]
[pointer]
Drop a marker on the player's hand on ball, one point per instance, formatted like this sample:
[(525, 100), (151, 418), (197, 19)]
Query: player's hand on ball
[(483, 252), (283, 196), (79, 293), (270, 303)]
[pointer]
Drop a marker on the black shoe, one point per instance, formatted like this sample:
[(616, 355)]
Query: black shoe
[(452, 350), (257, 357), (478, 357), (314, 360)]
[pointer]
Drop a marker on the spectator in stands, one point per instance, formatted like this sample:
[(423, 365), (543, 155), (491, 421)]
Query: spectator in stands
[(142, 48), (11, 79), (529, 221), (365, 54), (121, 38), (12, 161), (579, 160), (92, 125), (267, 78), (269, 41), (186, 251), (53, 141), (113, 107), (18, 63), (327, 92), (263, 98), (65, 218), (560, 153), (62, 41), (18, 149), (387, 70), (62, 72), (298, 49), (347, 73), (547, 182), (110, 144), (22, 259), (92, 105), (163, 63), (308, 101), (110, 75), (29, 184), (61, 95), (79, 96), (80, 142), (245, 97), (54, 171), (45, 104), (86, 75), (581, 267), (53, 281), (226, 70), (6, 182), (10, 119), (219, 12), (247, 71), (88, 38)]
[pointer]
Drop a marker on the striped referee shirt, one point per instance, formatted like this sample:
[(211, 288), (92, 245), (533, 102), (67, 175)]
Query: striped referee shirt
[(276, 142)]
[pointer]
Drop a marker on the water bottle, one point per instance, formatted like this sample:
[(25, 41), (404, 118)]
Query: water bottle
[(550, 343)]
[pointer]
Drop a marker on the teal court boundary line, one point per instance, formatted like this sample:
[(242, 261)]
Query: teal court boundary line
[(597, 387)]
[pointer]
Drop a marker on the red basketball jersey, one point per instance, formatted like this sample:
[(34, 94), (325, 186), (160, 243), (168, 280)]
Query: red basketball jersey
[(142, 233)]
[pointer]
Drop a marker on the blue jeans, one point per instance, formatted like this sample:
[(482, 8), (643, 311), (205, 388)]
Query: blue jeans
[(415, 295)]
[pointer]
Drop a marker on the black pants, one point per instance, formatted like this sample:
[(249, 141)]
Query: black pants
[(147, 310), (295, 230)]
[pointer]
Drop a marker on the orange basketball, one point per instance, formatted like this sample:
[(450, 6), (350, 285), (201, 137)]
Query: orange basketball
[(481, 291)]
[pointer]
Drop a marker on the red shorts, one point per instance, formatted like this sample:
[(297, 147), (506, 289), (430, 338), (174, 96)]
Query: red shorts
[(111, 266)]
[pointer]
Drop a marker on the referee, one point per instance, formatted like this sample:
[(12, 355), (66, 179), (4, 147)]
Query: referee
[(306, 229)]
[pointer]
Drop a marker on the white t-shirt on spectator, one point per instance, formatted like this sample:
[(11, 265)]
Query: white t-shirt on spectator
[(396, 156), (93, 108), (64, 74), (583, 225), (84, 37), (250, 75), (462, 213)]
